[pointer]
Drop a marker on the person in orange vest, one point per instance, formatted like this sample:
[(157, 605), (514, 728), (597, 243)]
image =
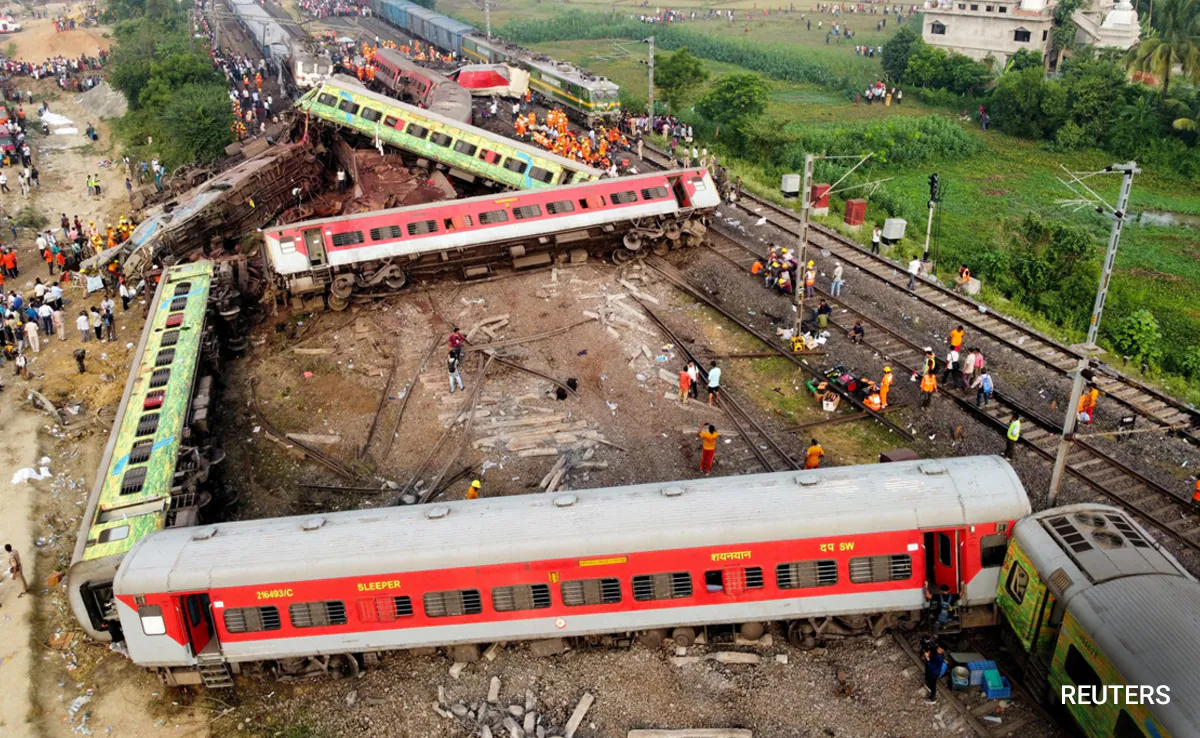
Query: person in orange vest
[(873, 402), (810, 279), (885, 385), (757, 267), (928, 388), (812, 457), (473, 490), (258, 82), (1087, 405), (49, 257)]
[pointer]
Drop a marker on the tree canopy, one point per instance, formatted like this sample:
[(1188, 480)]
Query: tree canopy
[(1173, 40), (735, 100), (678, 75), (899, 49)]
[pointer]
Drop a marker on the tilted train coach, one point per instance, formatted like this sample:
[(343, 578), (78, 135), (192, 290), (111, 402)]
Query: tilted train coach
[(415, 84), (471, 237), (849, 549)]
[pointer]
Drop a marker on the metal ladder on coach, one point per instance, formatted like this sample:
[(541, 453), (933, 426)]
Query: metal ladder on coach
[(214, 672)]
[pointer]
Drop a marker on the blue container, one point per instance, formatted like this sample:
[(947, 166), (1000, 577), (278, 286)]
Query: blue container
[(1003, 692), (977, 668)]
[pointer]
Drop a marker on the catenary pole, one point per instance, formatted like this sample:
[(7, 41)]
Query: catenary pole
[(650, 63), (802, 262), (1127, 171)]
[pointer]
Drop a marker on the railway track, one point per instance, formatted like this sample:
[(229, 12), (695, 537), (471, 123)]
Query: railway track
[(1158, 506), (1158, 408)]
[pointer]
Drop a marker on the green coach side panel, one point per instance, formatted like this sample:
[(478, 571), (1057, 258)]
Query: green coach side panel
[(1077, 660), (1020, 595), (143, 509)]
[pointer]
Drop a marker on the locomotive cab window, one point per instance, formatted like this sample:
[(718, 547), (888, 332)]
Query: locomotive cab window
[(327, 99), (521, 597), (453, 602), (1018, 582), (370, 114), (317, 614), (886, 568), (152, 620), (992, 550), (604, 591), (672, 586), (348, 106)]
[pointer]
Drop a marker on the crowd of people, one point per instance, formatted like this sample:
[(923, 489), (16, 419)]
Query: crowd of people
[(71, 73), (327, 8), (252, 108)]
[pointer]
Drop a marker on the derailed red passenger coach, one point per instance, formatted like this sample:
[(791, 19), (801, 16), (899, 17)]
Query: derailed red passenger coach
[(850, 548), (470, 238)]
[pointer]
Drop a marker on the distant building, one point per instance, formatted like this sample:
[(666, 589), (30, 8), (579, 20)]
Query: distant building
[(1001, 28)]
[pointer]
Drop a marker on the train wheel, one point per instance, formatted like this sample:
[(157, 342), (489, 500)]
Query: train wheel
[(633, 241), (752, 631), (338, 303), (672, 230), (396, 283), (622, 256), (800, 635), (683, 637), (653, 638), (342, 286), (662, 248), (344, 666)]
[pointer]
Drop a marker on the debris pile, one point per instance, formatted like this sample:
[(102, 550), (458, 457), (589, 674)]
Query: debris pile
[(104, 101), (521, 719)]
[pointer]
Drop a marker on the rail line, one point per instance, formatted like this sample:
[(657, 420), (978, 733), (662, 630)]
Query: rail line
[(1156, 505), (1155, 406)]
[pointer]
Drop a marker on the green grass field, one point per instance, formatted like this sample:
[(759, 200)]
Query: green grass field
[(1158, 267)]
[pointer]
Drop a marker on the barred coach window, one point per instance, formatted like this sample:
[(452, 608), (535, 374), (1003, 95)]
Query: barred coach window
[(453, 602), (886, 568), (662, 586), (805, 574), (251, 619), (604, 591), (317, 614), (521, 597)]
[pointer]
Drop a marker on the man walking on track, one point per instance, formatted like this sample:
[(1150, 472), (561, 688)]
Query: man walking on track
[(928, 388), (1014, 435), (708, 442), (812, 457), (714, 383), (685, 384)]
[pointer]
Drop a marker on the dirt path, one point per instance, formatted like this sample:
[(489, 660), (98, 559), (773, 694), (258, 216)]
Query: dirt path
[(18, 448), (39, 41)]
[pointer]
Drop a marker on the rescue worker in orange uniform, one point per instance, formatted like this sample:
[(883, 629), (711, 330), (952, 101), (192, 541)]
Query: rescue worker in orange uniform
[(1087, 405), (885, 385), (928, 388), (473, 490), (812, 457)]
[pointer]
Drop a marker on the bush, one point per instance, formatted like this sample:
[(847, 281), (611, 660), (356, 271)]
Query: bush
[(936, 68), (1070, 136), (1138, 337)]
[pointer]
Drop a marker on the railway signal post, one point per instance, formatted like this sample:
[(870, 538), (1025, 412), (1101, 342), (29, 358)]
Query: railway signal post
[(1082, 373)]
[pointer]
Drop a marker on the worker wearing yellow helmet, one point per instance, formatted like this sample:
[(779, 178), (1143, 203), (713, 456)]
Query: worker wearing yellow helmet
[(473, 490), (885, 385)]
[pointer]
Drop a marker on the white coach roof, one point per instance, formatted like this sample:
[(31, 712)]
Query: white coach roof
[(644, 517)]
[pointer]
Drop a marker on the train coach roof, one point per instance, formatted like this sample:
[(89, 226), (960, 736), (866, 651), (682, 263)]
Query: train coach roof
[(665, 515), (561, 192), (351, 85), (1149, 629)]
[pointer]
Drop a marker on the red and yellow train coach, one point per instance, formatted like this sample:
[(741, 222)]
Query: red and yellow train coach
[(847, 549)]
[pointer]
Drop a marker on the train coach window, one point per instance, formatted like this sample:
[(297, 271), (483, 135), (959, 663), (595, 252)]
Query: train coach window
[(251, 619), (733, 581), (620, 198), (453, 602), (1079, 670), (317, 614), (527, 211), (515, 165), (605, 591), (662, 586), (164, 357), (133, 481), (416, 131), (421, 227), (160, 377), (541, 175), (174, 320), (654, 193), (140, 453), (886, 568), (183, 288), (349, 238), (492, 217), (562, 206), (805, 574), (152, 620), (945, 550), (179, 303), (1127, 727), (147, 425), (466, 148), (119, 533), (393, 122), (491, 157), (348, 106), (1018, 582), (385, 233), (384, 609), (992, 549), (521, 597), (441, 139), (370, 114), (287, 245), (327, 99)]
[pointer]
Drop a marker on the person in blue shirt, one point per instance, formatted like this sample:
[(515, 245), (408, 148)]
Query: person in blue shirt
[(935, 666)]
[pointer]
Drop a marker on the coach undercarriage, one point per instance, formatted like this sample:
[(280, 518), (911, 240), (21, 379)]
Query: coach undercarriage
[(621, 242)]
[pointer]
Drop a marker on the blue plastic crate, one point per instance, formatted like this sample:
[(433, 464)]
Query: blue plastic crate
[(1003, 692), (977, 668)]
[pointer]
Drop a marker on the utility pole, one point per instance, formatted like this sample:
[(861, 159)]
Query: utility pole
[(487, 18), (802, 264), (1082, 373), (933, 193), (651, 65)]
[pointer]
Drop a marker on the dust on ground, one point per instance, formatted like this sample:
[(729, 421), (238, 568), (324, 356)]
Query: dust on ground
[(38, 41)]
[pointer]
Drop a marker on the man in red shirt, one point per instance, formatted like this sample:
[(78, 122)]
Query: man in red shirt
[(457, 339)]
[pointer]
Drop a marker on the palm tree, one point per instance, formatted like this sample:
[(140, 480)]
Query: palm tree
[(1172, 40)]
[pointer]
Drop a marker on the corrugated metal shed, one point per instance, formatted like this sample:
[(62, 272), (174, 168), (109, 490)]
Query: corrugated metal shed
[(700, 512)]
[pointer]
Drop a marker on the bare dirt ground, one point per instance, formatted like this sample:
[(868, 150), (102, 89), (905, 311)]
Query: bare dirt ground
[(38, 41)]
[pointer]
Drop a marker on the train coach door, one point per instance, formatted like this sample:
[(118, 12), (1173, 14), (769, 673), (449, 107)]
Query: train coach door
[(315, 243), (941, 560), (197, 617)]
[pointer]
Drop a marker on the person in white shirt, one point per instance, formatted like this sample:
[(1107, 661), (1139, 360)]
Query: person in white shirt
[(46, 316), (39, 289), (83, 325), (126, 296), (32, 338), (714, 382), (54, 296), (914, 269)]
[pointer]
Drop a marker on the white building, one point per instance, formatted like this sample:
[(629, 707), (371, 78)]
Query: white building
[(1000, 28)]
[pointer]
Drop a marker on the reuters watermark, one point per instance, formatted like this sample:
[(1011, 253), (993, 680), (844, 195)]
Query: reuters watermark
[(1115, 694)]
